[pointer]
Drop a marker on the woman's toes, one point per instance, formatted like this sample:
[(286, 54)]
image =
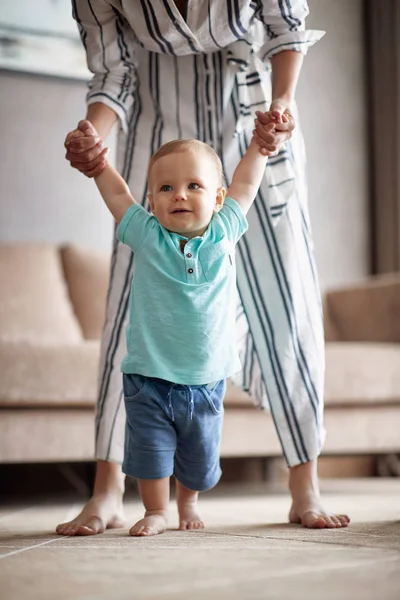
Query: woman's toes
[(69, 530), (330, 523), (336, 521), (344, 519), (93, 526), (313, 520)]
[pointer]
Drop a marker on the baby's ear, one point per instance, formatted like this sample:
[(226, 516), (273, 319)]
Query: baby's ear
[(219, 198), (151, 201)]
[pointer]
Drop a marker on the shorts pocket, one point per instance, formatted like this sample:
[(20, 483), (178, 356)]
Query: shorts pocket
[(215, 397), (147, 425), (134, 386)]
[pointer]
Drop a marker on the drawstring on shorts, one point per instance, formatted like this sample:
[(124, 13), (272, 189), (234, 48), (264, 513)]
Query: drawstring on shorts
[(171, 408), (191, 404)]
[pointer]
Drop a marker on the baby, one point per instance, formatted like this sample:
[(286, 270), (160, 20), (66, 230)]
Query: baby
[(181, 332)]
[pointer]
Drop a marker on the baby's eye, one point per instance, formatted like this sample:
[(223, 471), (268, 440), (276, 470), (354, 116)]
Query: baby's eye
[(193, 186), (165, 188)]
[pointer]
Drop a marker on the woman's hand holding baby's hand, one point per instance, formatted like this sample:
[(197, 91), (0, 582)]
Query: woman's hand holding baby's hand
[(85, 150), (272, 129)]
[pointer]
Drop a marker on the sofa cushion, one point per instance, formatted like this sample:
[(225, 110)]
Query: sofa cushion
[(32, 375), (362, 373), (40, 376), (87, 274), (35, 305), (55, 376), (67, 434), (368, 312)]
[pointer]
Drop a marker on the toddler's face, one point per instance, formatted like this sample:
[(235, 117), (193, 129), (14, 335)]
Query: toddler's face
[(185, 191)]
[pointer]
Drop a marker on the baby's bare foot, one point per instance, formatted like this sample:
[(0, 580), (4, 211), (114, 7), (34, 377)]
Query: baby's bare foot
[(309, 512), (152, 524), (189, 517), (102, 512)]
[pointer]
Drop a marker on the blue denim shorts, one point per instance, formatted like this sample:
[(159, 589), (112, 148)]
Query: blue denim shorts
[(173, 429)]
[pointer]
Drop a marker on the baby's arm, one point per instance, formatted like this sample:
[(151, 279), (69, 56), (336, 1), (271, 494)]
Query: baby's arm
[(114, 191), (250, 171), (248, 176), (112, 187)]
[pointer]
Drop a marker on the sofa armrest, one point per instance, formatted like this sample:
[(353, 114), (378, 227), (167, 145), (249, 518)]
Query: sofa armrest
[(368, 311)]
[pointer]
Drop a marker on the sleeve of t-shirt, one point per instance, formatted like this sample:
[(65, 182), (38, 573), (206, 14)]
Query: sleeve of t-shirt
[(234, 220), (103, 31), (135, 227)]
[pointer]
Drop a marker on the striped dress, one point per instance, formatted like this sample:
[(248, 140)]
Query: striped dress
[(202, 75)]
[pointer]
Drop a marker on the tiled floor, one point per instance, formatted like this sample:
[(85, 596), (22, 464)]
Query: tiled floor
[(248, 551)]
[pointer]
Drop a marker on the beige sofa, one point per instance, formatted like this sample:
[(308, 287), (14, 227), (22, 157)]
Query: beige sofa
[(51, 314)]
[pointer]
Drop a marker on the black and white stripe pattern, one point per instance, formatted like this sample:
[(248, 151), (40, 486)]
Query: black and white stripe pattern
[(168, 78)]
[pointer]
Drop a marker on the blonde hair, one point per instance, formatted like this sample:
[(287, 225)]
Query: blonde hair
[(182, 146)]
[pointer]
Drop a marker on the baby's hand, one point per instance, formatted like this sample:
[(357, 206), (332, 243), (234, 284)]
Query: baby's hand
[(72, 135), (266, 134), (85, 150)]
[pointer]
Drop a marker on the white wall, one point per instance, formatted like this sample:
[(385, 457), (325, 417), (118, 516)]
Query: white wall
[(42, 198), (332, 103)]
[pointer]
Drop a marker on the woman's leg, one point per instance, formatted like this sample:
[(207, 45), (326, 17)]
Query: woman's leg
[(285, 321), (307, 509), (104, 510), (283, 353)]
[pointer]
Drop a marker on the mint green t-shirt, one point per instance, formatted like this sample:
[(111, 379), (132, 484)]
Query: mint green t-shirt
[(182, 304)]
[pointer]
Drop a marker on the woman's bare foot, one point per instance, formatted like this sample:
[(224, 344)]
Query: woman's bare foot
[(186, 500), (309, 513), (100, 513), (105, 509), (153, 523), (306, 506)]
